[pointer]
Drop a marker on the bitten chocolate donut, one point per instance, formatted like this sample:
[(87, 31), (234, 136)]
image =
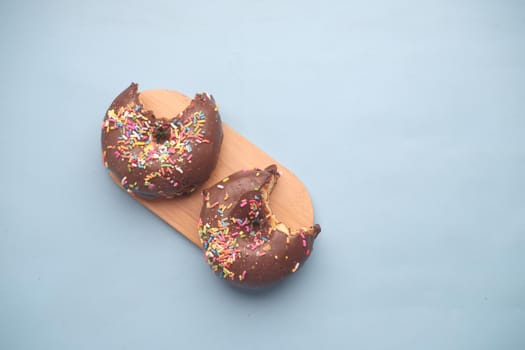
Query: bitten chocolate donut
[(153, 157), (243, 242)]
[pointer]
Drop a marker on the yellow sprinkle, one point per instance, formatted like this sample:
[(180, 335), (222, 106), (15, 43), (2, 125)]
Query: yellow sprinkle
[(227, 272)]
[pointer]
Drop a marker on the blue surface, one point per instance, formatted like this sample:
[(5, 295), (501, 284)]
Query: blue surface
[(404, 119)]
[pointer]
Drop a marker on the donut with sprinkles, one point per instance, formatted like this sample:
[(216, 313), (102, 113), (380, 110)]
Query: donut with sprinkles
[(152, 157), (242, 240)]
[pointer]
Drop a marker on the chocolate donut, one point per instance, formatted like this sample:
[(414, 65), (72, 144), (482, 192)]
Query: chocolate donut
[(153, 157), (242, 240)]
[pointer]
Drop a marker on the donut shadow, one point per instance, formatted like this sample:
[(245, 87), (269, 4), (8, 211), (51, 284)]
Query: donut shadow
[(266, 291)]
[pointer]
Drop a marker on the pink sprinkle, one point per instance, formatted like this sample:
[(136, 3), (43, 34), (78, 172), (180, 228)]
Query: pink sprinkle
[(307, 252), (304, 243)]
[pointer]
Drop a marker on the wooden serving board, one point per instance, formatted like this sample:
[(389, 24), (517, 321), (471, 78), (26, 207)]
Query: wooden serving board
[(290, 201)]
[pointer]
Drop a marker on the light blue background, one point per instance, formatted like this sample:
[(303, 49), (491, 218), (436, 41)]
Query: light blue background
[(405, 119)]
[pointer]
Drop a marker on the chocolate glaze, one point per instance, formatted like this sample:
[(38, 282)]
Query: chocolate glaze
[(242, 241), (160, 158)]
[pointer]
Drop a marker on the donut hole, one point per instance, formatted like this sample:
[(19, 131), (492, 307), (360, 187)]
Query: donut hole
[(256, 224), (162, 133)]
